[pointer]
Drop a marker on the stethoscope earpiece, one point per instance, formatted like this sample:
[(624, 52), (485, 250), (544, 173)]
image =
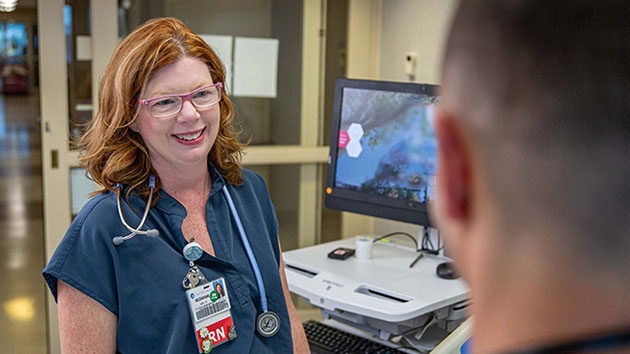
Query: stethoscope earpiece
[(153, 233), (118, 240)]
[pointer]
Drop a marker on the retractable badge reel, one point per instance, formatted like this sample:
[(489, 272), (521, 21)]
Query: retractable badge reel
[(192, 252)]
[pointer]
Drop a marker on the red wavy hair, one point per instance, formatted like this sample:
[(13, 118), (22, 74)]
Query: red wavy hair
[(111, 152)]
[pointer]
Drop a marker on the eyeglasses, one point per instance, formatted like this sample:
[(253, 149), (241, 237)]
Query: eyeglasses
[(169, 105)]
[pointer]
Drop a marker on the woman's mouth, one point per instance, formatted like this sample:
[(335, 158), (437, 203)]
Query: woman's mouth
[(190, 137)]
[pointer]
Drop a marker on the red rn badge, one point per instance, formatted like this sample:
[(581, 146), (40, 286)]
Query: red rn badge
[(214, 334)]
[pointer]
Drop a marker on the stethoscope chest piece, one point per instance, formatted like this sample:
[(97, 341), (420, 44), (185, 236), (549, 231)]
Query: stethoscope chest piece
[(268, 323)]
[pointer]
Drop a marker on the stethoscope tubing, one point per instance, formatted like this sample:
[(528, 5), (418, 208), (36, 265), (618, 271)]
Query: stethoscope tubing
[(152, 233), (248, 250), (144, 217)]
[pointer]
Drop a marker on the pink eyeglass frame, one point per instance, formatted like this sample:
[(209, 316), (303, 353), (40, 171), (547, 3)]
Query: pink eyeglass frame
[(185, 97)]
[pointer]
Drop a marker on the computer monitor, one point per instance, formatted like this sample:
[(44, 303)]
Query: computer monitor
[(383, 150)]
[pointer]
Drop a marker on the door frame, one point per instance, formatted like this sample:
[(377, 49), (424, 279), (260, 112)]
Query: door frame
[(58, 159)]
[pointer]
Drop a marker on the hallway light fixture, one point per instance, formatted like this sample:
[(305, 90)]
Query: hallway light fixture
[(8, 5), (20, 308)]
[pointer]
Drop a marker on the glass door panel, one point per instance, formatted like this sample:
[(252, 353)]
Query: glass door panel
[(268, 117), (78, 59), (282, 182)]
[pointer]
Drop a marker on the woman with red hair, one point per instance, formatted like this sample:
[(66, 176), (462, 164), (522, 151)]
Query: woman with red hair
[(164, 125)]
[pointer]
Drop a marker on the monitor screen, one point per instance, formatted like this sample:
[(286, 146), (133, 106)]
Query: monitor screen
[(383, 151)]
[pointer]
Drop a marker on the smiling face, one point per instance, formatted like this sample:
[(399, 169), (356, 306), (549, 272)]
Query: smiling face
[(185, 139)]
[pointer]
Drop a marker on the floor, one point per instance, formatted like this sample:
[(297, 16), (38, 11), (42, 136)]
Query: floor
[(23, 292)]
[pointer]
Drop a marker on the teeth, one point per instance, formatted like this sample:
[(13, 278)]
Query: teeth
[(189, 136)]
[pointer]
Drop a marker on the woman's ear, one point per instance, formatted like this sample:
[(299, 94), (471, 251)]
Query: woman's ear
[(135, 123)]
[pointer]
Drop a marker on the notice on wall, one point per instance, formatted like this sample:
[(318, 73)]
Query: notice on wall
[(255, 67)]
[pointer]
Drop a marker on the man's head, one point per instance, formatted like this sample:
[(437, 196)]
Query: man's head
[(534, 136)]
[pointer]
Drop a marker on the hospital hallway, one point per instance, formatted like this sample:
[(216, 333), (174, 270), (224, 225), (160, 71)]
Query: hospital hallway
[(23, 294)]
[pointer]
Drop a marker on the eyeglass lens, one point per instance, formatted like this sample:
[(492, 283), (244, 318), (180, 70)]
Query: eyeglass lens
[(170, 105)]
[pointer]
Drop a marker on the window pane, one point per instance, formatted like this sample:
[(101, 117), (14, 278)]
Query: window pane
[(14, 66), (16, 40), (262, 120), (80, 189), (283, 184), (77, 22)]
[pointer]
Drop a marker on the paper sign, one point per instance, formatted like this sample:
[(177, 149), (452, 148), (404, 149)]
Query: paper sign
[(255, 67)]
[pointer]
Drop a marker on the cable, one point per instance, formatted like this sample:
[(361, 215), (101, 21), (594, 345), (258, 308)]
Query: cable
[(416, 260), (419, 335), (427, 243), (415, 242)]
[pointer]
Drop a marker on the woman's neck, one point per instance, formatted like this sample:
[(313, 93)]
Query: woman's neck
[(188, 183)]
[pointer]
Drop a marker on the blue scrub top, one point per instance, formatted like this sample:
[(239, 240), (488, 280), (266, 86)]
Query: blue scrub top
[(140, 281)]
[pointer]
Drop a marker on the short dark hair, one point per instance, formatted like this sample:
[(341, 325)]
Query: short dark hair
[(543, 88)]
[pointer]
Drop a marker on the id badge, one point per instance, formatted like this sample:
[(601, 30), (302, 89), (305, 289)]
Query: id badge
[(209, 306)]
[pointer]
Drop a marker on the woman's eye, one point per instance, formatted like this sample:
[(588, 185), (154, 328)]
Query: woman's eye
[(202, 93), (164, 102)]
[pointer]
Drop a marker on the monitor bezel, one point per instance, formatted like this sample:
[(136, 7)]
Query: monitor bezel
[(362, 203)]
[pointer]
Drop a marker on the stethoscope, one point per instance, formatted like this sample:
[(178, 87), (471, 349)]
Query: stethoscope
[(268, 322)]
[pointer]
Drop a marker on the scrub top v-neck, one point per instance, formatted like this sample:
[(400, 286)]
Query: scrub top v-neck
[(140, 281)]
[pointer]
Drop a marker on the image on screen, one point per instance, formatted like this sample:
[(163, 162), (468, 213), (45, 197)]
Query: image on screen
[(387, 145)]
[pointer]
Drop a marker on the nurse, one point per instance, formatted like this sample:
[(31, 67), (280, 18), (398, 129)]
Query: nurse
[(163, 129)]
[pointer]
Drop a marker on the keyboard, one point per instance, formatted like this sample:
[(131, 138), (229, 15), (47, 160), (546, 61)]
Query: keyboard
[(324, 339)]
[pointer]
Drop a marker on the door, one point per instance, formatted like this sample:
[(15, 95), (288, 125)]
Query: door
[(65, 58)]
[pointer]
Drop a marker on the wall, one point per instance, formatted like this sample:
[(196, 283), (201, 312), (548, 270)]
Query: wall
[(414, 25), (381, 32), (286, 26)]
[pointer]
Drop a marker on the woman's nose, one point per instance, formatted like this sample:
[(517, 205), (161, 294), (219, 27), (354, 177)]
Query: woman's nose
[(189, 111)]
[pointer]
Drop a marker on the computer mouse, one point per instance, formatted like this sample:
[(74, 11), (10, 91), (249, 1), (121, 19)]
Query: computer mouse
[(446, 270)]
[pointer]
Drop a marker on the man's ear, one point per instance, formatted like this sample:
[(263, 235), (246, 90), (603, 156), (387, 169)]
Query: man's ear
[(454, 168)]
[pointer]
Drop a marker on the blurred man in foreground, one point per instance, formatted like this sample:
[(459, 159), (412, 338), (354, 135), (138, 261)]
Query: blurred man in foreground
[(533, 188)]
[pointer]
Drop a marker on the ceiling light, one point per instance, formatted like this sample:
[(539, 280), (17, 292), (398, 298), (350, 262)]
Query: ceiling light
[(7, 8), (8, 5)]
